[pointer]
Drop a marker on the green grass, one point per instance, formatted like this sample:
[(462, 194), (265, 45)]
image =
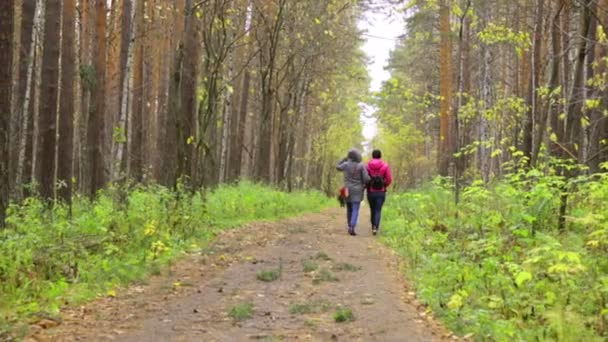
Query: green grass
[(324, 275), (318, 306), (322, 256), (51, 254), (344, 315), (309, 266), (268, 275), (344, 266), (241, 311)]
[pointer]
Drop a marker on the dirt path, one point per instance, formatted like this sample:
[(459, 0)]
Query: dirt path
[(193, 300)]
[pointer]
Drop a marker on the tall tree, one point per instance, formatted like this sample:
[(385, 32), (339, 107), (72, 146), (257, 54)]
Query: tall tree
[(533, 120), (49, 100), (7, 10), (95, 126), (65, 120), (445, 70)]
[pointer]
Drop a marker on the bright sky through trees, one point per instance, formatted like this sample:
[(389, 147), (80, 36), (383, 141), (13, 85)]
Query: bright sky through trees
[(381, 27)]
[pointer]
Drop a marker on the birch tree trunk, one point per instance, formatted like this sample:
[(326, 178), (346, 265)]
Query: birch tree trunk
[(226, 118), (29, 83), (125, 106), (445, 87)]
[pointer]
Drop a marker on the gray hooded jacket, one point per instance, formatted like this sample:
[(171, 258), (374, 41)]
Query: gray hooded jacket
[(356, 176)]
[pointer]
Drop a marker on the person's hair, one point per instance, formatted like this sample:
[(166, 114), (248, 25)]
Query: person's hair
[(376, 154)]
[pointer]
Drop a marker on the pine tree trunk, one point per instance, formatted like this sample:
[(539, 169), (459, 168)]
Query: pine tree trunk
[(66, 113), (49, 96), (135, 131), (189, 79), (555, 122), (95, 130), (574, 131), (115, 135), (536, 123), (7, 9)]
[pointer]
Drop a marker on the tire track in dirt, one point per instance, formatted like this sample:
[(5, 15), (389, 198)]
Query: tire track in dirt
[(193, 299)]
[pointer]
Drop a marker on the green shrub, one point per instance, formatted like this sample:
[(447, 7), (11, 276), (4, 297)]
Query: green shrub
[(268, 275), (241, 311), (309, 266), (322, 256), (344, 315), (324, 275), (496, 265)]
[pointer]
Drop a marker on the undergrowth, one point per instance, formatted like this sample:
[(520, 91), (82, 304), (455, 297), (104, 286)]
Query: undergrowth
[(497, 266), (52, 255)]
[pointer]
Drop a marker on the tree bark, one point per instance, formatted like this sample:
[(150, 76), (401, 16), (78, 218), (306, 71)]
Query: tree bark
[(28, 67), (186, 126), (135, 131), (532, 120), (114, 134), (95, 134), (574, 132), (66, 113), (556, 124), (25, 63), (126, 78), (49, 96), (7, 9), (445, 88)]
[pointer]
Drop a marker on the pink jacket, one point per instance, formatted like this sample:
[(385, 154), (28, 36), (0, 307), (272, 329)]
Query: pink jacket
[(379, 167)]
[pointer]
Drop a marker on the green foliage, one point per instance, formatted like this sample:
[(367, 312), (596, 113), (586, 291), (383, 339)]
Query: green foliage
[(309, 266), (322, 256), (496, 34), (344, 266), (241, 311), (51, 255), (268, 275), (344, 315), (497, 266), (324, 275), (317, 306)]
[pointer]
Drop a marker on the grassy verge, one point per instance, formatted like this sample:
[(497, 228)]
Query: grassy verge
[(51, 256), (496, 266)]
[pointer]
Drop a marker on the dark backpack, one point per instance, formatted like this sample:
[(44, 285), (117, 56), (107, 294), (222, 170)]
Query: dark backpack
[(377, 182)]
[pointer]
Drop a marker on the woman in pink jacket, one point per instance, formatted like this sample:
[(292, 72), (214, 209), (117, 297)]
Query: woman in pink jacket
[(380, 179)]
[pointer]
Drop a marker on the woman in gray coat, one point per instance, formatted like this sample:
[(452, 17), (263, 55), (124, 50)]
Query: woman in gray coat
[(356, 178)]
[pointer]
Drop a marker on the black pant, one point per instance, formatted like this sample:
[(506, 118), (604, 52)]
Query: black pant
[(376, 200)]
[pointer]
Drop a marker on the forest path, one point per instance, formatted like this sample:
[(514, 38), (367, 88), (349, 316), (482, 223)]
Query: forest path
[(224, 276)]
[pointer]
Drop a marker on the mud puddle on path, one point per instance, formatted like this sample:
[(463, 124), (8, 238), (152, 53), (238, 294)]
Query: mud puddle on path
[(221, 294)]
